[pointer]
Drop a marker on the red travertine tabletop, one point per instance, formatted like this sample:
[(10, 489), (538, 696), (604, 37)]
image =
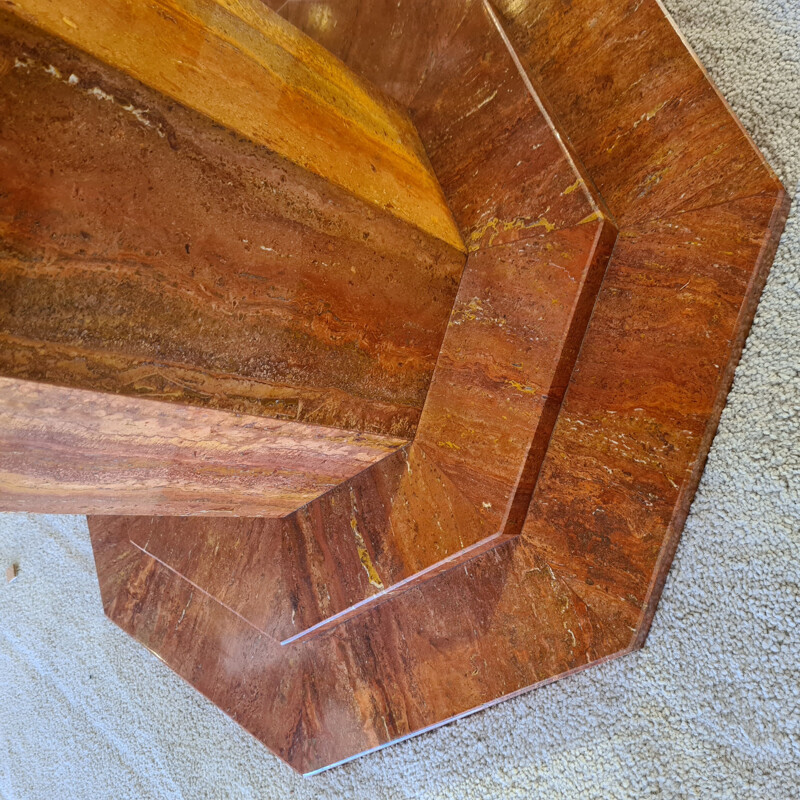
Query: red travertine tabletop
[(619, 225)]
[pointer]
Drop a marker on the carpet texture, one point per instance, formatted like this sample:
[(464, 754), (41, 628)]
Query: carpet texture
[(710, 708)]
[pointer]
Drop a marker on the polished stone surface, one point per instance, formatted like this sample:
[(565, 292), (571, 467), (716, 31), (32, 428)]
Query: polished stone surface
[(244, 67), (147, 251), (698, 213), (577, 587), (74, 451), (538, 249)]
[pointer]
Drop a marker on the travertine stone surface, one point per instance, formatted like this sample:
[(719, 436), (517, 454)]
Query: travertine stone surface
[(521, 311), (73, 451), (651, 129), (241, 65), (577, 587), (508, 172), (699, 214), (148, 251), (631, 98)]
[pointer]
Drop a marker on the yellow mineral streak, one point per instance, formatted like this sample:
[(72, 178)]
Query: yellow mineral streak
[(361, 546), (498, 226)]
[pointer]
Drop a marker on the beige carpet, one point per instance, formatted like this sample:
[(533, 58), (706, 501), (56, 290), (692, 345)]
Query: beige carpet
[(709, 709)]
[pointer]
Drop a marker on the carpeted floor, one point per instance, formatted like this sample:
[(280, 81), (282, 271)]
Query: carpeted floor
[(709, 709)]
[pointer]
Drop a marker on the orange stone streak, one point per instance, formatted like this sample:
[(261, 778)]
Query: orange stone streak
[(244, 67)]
